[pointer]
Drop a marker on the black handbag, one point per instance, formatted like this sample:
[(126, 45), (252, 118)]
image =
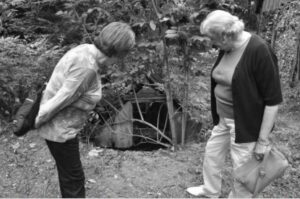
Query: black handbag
[(24, 119), (256, 175)]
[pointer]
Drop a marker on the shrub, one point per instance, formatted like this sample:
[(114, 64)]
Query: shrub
[(21, 68)]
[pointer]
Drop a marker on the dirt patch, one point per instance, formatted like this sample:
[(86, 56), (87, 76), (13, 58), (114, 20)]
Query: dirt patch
[(28, 170)]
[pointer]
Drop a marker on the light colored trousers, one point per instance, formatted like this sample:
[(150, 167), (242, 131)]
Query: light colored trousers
[(222, 141)]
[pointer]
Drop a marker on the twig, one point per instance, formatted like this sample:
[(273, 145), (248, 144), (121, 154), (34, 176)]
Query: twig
[(158, 118), (167, 85), (156, 10), (138, 105), (186, 95), (151, 139), (111, 105), (146, 123)]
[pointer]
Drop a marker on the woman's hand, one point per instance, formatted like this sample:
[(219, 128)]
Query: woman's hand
[(261, 148)]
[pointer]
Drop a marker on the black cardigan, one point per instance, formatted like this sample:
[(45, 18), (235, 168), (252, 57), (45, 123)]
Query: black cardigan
[(255, 84)]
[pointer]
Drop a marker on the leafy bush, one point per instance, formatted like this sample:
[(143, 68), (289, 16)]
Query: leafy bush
[(22, 67), (164, 61)]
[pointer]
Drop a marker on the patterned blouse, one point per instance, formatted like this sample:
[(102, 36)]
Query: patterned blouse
[(72, 92)]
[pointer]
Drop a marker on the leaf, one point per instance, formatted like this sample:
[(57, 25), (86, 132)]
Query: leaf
[(92, 181), (16, 2), (199, 38), (152, 25), (140, 24), (90, 11), (171, 31), (95, 152), (15, 146), (68, 5), (32, 145), (59, 13), (172, 36), (165, 19)]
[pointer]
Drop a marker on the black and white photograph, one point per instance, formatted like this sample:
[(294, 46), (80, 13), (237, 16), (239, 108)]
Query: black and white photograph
[(149, 99)]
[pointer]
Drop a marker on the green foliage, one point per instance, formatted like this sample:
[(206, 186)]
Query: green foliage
[(287, 41), (22, 67), (67, 22), (167, 35), (14, 79)]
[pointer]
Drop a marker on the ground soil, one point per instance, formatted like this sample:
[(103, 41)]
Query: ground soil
[(28, 170)]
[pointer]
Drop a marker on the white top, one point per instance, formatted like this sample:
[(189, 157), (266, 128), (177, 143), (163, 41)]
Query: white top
[(73, 90)]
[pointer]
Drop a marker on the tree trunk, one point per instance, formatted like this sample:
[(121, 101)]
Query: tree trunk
[(167, 87)]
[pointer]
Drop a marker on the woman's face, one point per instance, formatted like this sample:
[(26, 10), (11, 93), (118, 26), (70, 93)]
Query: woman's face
[(221, 42)]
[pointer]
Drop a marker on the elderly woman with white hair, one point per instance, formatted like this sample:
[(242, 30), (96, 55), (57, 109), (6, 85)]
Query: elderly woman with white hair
[(72, 92), (245, 94)]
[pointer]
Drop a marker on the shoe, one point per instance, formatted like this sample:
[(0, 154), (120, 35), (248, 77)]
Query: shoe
[(196, 191)]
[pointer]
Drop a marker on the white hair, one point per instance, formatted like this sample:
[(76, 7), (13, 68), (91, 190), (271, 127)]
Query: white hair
[(221, 23)]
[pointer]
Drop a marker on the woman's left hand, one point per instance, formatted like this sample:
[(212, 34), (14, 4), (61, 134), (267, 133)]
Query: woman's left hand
[(260, 150)]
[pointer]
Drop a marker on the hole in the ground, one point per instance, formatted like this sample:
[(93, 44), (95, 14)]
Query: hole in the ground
[(135, 127), (146, 147)]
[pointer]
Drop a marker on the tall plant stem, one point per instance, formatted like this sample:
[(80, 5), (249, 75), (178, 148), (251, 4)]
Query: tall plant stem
[(167, 84), (186, 95)]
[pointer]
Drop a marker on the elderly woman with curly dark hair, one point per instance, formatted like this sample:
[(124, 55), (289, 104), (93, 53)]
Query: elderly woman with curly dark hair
[(72, 92), (245, 94)]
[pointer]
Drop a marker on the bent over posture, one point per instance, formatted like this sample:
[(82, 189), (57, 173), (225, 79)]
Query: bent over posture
[(72, 92)]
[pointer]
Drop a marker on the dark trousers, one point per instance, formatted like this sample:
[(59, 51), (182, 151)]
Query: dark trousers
[(70, 171)]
